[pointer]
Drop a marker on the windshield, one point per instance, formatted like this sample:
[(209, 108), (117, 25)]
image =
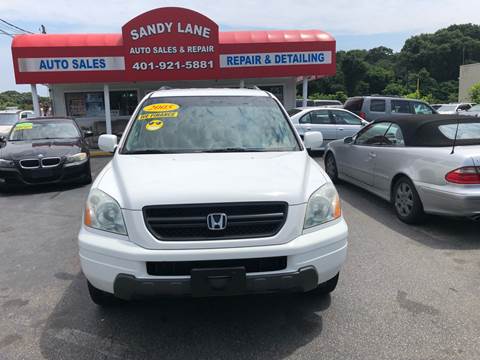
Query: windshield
[(44, 130), (447, 108), (210, 124), (8, 119)]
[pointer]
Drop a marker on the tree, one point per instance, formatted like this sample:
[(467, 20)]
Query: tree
[(354, 70), (475, 93)]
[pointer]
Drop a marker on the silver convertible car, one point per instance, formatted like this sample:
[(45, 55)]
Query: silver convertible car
[(422, 164)]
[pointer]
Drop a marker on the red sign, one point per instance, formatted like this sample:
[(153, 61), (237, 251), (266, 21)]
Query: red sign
[(171, 44)]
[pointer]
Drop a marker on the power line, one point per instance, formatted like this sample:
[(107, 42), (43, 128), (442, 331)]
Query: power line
[(16, 27), (6, 33)]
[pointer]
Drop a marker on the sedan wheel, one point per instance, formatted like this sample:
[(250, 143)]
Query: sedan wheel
[(331, 167), (408, 205)]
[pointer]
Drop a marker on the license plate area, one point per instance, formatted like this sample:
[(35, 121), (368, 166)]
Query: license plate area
[(41, 173), (218, 281)]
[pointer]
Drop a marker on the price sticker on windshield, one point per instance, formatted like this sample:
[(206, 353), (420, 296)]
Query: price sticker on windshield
[(151, 116), (161, 107), (24, 126)]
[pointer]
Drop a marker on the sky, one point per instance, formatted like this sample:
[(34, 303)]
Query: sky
[(356, 24)]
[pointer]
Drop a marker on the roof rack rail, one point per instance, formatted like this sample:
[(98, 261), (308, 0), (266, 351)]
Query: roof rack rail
[(164, 88)]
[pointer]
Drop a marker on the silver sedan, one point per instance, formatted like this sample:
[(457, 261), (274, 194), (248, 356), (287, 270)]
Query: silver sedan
[(333, 123), (428, 164)]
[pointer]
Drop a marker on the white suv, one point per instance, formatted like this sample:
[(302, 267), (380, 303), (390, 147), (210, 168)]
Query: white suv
[(210, 192)]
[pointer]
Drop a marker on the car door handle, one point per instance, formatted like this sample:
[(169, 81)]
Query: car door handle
[(341, 129), (372, 155), (309, 128)]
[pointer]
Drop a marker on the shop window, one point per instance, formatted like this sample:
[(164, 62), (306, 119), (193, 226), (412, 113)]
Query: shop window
[(123, 103), (91, 104), (85, 104), (276, 90)]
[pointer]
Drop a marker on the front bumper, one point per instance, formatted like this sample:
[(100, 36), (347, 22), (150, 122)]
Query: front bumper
[(39, 176), (116, 265), (128, 287), (451, 199)]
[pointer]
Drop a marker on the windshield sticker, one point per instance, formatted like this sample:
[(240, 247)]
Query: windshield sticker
[(149, 116), (24, 126), (154, 125), (161, 107)]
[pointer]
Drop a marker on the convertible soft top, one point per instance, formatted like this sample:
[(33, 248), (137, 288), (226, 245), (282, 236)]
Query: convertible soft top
[(423, 130)]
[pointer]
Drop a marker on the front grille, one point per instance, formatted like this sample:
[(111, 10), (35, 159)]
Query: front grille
[(50, 162), (183, 268), (30, 163), (189, 222)]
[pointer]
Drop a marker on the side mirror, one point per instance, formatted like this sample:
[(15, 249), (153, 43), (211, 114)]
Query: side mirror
[(348, 140), (313, 139), (3, 140), (107, 142), (87, 133)]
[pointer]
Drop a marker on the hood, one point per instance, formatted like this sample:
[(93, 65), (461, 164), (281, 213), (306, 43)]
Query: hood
[(17, 150), (136, 181)]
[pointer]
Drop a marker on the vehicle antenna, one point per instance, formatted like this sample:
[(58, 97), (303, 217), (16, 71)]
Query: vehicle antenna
[(456, 134)]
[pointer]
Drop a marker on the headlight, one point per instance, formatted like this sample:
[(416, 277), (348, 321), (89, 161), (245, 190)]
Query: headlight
[(323, 206), (103, 212), (72, 159), (6, 163)]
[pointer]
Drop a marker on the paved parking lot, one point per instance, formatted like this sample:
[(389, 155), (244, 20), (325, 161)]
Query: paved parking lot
[(405, 293)]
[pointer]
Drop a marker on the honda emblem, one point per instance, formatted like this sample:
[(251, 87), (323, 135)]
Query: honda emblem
[(217, 221)]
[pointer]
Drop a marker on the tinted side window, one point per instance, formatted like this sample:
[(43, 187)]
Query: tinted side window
[(421, 108), (401, 107), (377, 105), (373, 135), (344, 118), (354, 104), (305, 119), (320, 117)]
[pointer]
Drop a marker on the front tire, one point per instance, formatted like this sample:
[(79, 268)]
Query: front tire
[(331, 167), (100, 297), (407, 203)]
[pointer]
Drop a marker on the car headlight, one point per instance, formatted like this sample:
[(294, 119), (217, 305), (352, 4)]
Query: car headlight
[(323, 206), (6, 163), (102, 212), (77, 158)]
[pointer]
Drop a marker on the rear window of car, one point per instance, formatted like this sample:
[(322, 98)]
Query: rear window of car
[(377, 105), (292, 112), (354, 104), (468, 131), (442, 133)]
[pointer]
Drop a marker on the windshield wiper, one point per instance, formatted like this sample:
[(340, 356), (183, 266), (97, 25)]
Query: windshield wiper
[(149, 151), (233, 149)]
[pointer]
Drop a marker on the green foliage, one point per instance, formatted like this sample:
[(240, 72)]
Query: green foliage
[(475, 93), (21, 100), (427, 61), (339, 95)]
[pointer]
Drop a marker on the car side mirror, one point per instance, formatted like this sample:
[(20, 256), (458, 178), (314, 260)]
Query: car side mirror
[(313, 139), (3, 141), (107, 142), (87, 133), (348, 140)]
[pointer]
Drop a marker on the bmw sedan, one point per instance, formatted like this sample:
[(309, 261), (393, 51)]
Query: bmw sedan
[(422, 164), (333, 123), (44, 150)]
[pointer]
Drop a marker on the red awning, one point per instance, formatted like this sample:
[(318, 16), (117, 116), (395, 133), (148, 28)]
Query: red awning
[(273, 36), (229, 37)]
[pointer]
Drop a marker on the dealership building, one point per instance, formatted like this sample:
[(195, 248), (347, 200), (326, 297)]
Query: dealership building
[(98, 79)]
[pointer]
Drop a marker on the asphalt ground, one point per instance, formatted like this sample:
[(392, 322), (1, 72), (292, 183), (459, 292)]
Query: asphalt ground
[(406, 292)]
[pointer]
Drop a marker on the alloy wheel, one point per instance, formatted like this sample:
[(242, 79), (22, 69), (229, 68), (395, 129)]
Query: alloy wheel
[(404, 200)]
